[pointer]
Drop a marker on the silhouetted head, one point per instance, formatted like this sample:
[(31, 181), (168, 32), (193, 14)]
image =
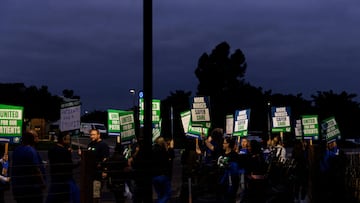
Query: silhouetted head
[(228, 141), (30, 137), (64, 138)]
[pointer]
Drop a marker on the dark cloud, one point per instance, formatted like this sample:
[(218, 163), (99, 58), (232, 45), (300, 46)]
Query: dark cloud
[(95, 47)]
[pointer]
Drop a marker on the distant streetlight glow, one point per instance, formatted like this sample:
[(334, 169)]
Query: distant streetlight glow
[(132, 92)]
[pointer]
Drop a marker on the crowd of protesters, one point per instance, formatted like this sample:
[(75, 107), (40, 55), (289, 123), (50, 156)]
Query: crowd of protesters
[(221, 167), (229, 169)]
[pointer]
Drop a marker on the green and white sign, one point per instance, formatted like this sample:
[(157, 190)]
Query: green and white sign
[(185, 120), (192, 130), (121, 123), (156, 120), (281, 119), (241, 122), (200, 112), (156, 131), (155, 111), (11, 121), (310, 126), (127, 126), (330, 129), (113, 122)]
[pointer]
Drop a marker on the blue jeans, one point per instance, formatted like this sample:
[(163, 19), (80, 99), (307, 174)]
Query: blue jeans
[(162, 186)]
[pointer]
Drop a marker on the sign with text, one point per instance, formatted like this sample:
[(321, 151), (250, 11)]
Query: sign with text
[(121, 123), (70, 116), (11, 121), (155, 111), (127, 125), (330, 129), (241, 122), (113, 122), (298, 130), (310, 126), (190, 130), (200, 113), (280, 119), (229, 124), (185, 120)]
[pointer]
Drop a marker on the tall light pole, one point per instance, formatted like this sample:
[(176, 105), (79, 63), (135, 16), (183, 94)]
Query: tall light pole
[(147, 76), (132, 92)]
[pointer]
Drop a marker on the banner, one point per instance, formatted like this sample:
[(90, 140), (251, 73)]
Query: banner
[(113, 122), (298, 130), (155, 111), (310, 127), (11, 121), (280, 119), (229, 123), (190, 130), (127, 126), (70, 116), (200, 112), (330, 129), (241, 122)]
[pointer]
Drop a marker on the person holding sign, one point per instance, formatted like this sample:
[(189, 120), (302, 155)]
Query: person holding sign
[(213, 147), (4, 177)]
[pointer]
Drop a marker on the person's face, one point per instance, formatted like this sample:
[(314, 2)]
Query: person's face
[(94, 135), (244, 143), (67, 140), (36, 136), (225, 144)]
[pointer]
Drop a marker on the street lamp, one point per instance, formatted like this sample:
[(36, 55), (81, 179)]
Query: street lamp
[(132, 92)]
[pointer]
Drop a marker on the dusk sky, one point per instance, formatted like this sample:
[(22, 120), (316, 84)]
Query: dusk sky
[(95, 47)]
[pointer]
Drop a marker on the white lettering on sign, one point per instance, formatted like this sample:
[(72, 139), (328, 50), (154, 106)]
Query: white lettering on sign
[(114, 127), (199, 99), (128, 133), (307, 121), (10, 130), (10, 114), (310, 131), (4, 122), (281, 109), (199, 105), (70, 118), (127, 119), (281, 114), (114, 116), (156, 106)]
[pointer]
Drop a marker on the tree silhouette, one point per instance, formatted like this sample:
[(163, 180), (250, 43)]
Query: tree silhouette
[(342, 107), (220, 77), (218, 72), (37, 102), (67, 93)]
